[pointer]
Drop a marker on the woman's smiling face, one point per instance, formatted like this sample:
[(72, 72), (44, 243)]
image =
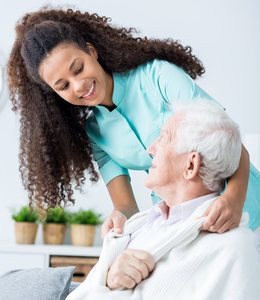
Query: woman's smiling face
[(76, 75)]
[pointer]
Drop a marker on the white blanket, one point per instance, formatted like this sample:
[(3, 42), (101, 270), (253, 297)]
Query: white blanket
[(189, 264)]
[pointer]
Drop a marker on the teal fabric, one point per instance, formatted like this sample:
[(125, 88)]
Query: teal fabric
[(144, 99), (252, 203)]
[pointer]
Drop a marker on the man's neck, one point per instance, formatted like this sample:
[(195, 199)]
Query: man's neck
[(175, 195), (184, 209)]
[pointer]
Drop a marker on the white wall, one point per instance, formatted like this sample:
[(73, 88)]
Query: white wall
[(223, 33)]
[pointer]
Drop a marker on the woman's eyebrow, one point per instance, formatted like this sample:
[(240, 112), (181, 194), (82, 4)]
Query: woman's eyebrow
[(73, 63), (57, 82)]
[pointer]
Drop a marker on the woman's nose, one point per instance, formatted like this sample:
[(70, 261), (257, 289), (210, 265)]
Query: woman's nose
[(78, 86)]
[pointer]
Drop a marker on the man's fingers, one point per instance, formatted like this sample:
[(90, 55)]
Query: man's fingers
[(135, 274), (130, 279), (137, 269), (127, 282), (130, 268), (127, 272), (144, 257), (140, 266)]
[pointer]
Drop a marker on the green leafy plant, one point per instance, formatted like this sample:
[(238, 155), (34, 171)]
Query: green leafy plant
[(56, 215), (85, 217), (25, 214)]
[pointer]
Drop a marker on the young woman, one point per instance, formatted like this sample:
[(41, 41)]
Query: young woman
[(85, 89)]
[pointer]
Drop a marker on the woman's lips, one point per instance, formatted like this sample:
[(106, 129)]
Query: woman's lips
[(90, 91)]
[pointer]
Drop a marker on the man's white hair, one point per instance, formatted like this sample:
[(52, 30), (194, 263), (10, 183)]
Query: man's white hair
[(204, 127)]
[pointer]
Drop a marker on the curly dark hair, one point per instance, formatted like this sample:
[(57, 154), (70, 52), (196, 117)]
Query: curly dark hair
[(54, 148)]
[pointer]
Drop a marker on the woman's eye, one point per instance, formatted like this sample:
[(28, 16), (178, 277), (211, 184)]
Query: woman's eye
[(65, 86), (79, 70)]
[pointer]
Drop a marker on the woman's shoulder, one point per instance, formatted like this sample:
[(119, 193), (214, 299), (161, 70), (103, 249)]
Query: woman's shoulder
[(154, 70), (157, 66)]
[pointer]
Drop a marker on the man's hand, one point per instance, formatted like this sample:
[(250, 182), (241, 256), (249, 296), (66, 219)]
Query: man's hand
[(116, 220), (222, 215), (129, 269)]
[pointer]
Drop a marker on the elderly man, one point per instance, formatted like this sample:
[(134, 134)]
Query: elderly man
[(162, 254)]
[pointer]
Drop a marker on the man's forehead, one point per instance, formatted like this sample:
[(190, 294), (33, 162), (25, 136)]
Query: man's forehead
[(170, 124)]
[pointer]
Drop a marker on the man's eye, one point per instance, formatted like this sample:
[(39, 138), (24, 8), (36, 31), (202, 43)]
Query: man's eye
[(79, 70), (160, 139)]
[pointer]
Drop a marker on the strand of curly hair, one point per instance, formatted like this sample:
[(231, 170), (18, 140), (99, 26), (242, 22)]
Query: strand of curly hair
[(54, 149)]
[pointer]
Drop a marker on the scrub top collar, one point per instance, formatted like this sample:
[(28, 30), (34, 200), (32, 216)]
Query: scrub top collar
[(118, 92)]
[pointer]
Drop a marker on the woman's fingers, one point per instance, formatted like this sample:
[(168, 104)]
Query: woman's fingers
[(221, 216), (106, 227), (212, 214), (116, 220), (119, 220)]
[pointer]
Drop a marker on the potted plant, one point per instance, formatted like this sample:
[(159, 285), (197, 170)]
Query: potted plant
[(83, 227), (54, 226), (25, 225)]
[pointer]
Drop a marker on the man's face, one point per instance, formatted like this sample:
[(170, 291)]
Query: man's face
[(167, 166)]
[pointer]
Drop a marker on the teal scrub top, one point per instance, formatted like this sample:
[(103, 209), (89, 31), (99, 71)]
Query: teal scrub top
[(144, 99)]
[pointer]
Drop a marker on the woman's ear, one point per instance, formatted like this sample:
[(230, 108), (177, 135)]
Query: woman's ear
[(92, 50), (192, 165)]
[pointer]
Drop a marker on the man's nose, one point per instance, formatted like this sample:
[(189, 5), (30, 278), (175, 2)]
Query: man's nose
[(151, 149)]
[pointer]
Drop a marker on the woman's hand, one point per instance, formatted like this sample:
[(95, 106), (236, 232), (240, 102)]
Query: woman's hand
[(129, 269), (222, 215), (225, 213), (116, 220), (124, 203)]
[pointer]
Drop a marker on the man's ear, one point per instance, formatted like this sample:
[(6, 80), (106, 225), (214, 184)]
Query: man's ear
[(192, 165), (92, 50)]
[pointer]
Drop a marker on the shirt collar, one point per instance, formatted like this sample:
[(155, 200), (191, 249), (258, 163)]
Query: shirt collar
[(179, 212), (119, 88), (118, 92)]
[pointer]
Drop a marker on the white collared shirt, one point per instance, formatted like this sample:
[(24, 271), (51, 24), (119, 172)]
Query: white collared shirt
[(157, 219)]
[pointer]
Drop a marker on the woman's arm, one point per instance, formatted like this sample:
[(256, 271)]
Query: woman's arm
[(119, 188), (225, 213), (122, 195), (125, 206)]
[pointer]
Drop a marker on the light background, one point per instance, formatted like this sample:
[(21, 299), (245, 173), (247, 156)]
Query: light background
[(224, 34)]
